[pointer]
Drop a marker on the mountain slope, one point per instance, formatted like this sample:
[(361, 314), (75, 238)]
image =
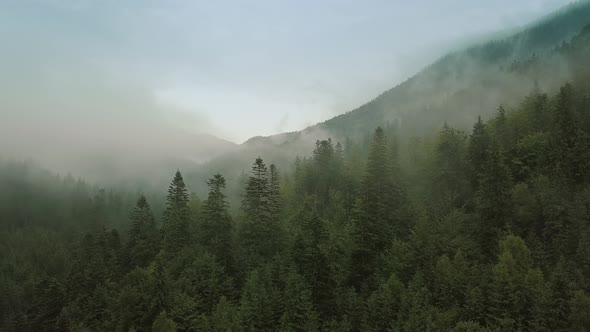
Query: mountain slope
[(462, 85), (455, 89)]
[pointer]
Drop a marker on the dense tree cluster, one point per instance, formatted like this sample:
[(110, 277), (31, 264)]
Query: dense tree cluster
[(479, 230), (495, 236)]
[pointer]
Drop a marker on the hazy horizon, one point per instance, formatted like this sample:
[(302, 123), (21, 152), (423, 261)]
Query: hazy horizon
[(230, 69)]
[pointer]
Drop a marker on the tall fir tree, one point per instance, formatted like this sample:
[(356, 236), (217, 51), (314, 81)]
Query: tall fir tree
[(260, 231), (256, 203), (311, 260), (570, 144), (217, 222), (377, 213), (479, 144), (144, 239), (177, 216), (275, 200), (450, 186), (494, 201), (299, 314)]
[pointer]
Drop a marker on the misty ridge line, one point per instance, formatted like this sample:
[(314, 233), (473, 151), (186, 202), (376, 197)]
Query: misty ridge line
[(82, 123)]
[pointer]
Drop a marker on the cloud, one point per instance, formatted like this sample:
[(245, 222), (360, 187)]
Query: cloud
[(92, 118), (283, 123)]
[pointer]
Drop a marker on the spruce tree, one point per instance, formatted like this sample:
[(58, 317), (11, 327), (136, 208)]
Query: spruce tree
[(477, 151), (177, 216), (144, 239), (218, 225), (570, 144), (256, 203), (450, 187), (311, 260), (256, 313), (275, 200), (298, 308), (377, 213), (48, 302), (260, 232), (163, 324), (494, 201)]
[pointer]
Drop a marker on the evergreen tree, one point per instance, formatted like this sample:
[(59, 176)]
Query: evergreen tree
[(378, 211), (218, 224), (478, 148), (224, 318), (298, 309), (177, 216), (275, 200), (570, 144), (312, 262), (256, 203), (256, 312), (48, 302), (450, 186), (494, 199), (143, 244), (502, 133), (579, 318), (260, 232), (163, 323)]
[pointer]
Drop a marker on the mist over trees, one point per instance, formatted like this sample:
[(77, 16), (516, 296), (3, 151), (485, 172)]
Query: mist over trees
[(485, 228)]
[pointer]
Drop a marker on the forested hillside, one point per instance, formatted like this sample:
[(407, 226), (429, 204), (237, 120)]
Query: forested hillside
[(455, 90), (479, 230), (402, 218)]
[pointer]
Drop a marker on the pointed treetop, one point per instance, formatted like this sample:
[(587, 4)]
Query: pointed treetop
[(177, 191), (142, 201)]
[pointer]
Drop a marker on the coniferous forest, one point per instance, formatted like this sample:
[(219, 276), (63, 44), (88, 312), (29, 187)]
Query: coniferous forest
[(463, 229)]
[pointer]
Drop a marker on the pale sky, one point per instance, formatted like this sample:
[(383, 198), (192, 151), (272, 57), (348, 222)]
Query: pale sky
[(231, 68)]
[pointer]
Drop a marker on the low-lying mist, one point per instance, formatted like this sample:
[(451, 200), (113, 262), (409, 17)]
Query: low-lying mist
[(84, 120)]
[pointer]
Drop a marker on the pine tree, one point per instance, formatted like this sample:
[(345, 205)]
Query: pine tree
[(384, 305), (570, 144), (160, 291), (502, 134), (494, 199), (218, 224), (177, 216), (478, 148), (260, 232), (450, 187), (579, 318), (275, 200), (163, 323), (48, 302), (144, 239), (256, 203), (298, 309), (224, 317), (312, 262), (255, 307), (377, 213)]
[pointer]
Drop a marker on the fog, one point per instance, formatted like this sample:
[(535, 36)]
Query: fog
[(104, 88)]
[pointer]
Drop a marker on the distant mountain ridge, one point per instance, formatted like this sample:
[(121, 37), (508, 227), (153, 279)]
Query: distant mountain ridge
[(455, 89), (455, 73)]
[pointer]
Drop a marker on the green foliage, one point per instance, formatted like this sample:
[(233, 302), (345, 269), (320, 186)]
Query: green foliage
[(260, 231), (177, 216), (298, 309), (434, 232), (217, 232), (163, 323), (144, 237)]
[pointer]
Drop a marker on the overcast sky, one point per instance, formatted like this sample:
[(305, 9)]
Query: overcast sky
[(232, 68)]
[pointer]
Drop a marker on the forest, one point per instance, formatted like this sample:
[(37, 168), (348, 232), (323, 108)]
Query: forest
[(488, 231), (464, 230)]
